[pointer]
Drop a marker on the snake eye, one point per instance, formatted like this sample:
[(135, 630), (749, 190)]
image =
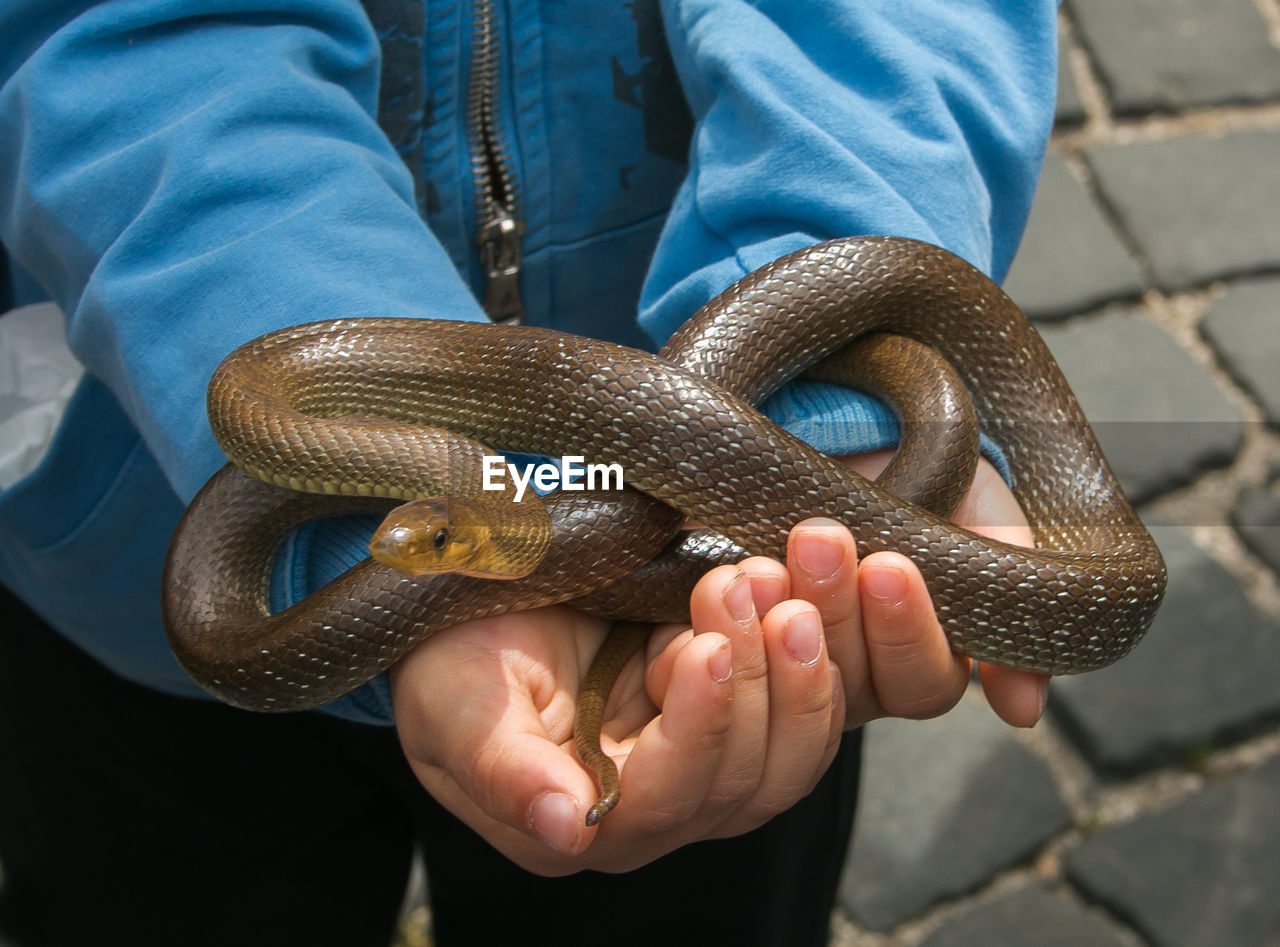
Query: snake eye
[(441, 537)]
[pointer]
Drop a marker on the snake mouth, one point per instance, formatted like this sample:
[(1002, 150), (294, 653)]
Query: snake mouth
[(397, 548)]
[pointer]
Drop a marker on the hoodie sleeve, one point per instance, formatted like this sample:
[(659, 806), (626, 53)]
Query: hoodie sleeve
[(925, 119), (184, 176)]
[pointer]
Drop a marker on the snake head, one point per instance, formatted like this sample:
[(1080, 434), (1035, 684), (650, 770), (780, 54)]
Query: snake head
[(423, 538)]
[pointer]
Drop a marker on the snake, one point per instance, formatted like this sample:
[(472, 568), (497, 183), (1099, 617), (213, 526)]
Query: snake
[(357, 415)]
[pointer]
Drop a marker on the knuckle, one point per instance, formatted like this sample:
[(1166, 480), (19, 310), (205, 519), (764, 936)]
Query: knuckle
[(778, 799), (813, 712), (481, 777), (671, 815), (751, 667), (923, 705), (734, 788)]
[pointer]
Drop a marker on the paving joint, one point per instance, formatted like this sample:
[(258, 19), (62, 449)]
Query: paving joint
[(1089, 86), (1270, 12), (1076, 781), (1079, 167), (1210, 121)]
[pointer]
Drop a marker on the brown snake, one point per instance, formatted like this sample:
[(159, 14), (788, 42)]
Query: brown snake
[(682, 428)]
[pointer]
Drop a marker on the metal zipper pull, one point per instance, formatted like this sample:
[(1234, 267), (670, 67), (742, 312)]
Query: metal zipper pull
[(498, 224), (499, 241)]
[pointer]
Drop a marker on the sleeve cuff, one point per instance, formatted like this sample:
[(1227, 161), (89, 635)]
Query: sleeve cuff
[(312, 555), (837, 420)]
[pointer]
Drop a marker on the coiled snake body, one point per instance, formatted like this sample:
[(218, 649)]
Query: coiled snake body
[(681, 426)]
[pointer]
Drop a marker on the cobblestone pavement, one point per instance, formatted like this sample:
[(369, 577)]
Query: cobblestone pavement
[(1146, 807)]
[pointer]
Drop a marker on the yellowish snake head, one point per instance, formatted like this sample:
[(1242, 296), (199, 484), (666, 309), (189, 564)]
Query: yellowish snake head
[(428, 537), (489, 537)]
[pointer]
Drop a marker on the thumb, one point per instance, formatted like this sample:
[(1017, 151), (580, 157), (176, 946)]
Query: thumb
[(472, 717)]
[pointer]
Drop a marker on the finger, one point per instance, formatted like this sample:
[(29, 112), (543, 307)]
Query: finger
[(839, 716), (1017, 697), (663, 649), (822, 561), (769, 586), (723, 602), (677, 758), (991, 509), (800, 711), (912, 669), (484, 750), (528, 789), (770, 582)]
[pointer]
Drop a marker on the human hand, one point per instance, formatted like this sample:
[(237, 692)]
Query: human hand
[(879, 620), (881, 628), (716, 731), (485, 711)]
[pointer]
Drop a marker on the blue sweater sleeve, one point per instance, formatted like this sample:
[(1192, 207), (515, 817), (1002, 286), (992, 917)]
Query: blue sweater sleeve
[(924, 119), (225, 177)]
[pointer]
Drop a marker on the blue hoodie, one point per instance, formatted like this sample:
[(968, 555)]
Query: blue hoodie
[(181, 176)]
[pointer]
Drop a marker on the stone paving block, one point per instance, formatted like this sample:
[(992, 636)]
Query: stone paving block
[(1068, 109), (1207, 670), (1257, 520), (944, 805), (1165, 55), (1204, 872), (1161, 419), (1200, 208), (1030, 916), (1244, 327), (1070, 260)]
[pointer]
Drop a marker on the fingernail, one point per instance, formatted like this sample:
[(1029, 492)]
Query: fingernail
[(817, 554), (553, 817), (720, 663), (885, 583), (737, 598), (1044, 696), (802, 637)]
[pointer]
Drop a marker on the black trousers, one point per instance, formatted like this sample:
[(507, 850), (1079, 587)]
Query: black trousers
[(132, 817)]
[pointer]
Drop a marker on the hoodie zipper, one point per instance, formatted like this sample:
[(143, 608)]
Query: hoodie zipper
[(498, 224)]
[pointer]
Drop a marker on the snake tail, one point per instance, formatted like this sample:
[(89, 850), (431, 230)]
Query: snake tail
[(624, 640)]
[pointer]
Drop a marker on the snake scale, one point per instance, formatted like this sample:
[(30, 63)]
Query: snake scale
[(682, 427)]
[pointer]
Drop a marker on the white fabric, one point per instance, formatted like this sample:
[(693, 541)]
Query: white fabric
[(38, 373)]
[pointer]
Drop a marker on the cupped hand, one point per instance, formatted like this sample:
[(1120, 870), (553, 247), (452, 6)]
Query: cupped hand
[(715, 732), (716, 728), (880, 624)]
